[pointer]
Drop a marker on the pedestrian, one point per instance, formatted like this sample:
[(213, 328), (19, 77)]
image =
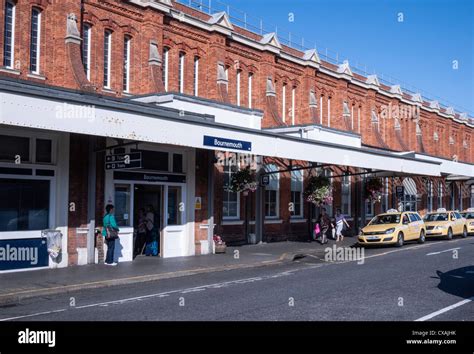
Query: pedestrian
[(324, 224), (152, 244), (110, 232), (340, 222), (141, 232)]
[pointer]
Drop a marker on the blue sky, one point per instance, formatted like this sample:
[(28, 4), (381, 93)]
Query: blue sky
[(418, 51)]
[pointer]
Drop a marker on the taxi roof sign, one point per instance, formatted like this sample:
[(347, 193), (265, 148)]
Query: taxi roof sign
[(441, 210), (392, 211), (469, 210)]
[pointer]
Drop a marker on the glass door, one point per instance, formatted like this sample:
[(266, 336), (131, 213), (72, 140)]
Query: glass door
[(174, 241)]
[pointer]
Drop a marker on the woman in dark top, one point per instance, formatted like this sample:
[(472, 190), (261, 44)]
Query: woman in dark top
[(324, 223), (109, 221)]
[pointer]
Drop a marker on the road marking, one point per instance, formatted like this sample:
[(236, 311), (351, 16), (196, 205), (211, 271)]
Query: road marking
[(451, 249), (31, 315), (446, 309)]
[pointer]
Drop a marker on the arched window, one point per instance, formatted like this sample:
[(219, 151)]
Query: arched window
[(9, 35), (86, 48), (107, 57), (196, 76), (127, 45), (35, 40), (250, 89), (165, 66), (181, 58)]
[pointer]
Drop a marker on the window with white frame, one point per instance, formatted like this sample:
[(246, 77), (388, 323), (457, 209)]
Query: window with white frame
[(329, 207), (181, 72), (272, 192), (9, 35), (346, 195), (385, 194), (329, 111), (452, 196), (321, 110), (237, 87), (296, 193), (86, 49), (126, 63), (196, 76), (107, 57), (35, 40), (231, 200), (250, 89), (472, 195), (440, 195), (165, 67), (293, 105), (429, 195), (370, 207), (283, 102)]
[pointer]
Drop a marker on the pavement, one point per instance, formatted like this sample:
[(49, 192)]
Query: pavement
[(429, 282), (18, 286)]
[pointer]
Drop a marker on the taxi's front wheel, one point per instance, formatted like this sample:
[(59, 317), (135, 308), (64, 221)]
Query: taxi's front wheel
[(450, 234), (400, 240), (464, 232), (422, 237)]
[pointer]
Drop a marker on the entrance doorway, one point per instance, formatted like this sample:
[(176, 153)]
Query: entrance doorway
[(148, 199)]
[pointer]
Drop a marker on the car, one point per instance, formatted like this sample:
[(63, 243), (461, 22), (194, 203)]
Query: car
[(468, 214), (393, 228), (444, 223)]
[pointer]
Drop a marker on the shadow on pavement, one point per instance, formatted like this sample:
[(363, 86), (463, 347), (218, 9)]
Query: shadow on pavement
[(458, 282)]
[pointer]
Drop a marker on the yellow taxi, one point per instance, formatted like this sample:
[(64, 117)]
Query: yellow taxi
[(443, 223), (468, 214), (393, 228)]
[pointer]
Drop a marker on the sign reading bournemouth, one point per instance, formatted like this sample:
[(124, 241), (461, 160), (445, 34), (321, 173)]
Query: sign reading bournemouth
[(227, 143)]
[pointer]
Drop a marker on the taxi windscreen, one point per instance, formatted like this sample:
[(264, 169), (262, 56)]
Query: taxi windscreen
[(436, 217), (468, 215), (386, 219)]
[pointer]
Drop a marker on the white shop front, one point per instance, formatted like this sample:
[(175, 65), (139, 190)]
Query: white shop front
[(163, 183)]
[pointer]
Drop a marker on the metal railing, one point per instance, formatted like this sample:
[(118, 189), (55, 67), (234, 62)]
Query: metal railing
[(256, 25)]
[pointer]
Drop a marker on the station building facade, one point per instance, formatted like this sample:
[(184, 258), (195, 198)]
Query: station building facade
[(181, 89)]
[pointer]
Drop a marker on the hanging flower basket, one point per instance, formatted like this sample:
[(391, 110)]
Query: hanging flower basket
[(220, 246), (243, 181), (374, 190), (319, 191)]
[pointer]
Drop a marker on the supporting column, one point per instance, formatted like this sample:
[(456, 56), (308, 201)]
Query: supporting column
[(91, 202), (259, 203), (210, 201)]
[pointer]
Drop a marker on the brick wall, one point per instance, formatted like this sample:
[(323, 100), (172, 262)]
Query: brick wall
[(146, 25)]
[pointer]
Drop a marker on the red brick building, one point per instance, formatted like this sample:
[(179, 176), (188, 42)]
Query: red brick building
[(119, 51)]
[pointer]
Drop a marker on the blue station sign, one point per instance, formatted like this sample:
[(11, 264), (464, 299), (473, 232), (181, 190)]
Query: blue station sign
[(227, 143), (23, 254)]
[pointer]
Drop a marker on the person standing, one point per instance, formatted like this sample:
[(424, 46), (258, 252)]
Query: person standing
[(110, 233), (324, 223), (340, 221), (152, 245), (141, 232)]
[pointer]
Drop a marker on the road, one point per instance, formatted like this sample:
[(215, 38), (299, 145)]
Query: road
[(434, 281)]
